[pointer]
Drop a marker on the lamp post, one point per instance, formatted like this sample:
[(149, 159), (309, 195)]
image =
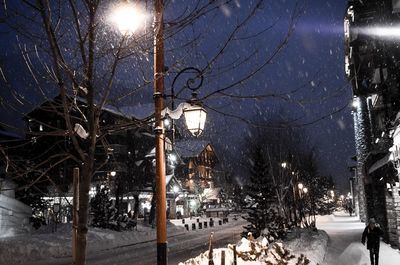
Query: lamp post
[(193, 106), (127, 19), (161, 202)]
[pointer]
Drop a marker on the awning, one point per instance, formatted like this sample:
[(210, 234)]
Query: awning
[(380, 163)]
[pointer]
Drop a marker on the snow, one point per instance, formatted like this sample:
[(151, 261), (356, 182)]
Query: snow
[(43, 243), (191, 148), (316, 242), (343, 247)]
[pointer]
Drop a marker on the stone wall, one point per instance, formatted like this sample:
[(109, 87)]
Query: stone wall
[(395, 216), (14, 217), (391, 218)]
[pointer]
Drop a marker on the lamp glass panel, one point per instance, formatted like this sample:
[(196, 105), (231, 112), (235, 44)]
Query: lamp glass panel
[(195, 118)]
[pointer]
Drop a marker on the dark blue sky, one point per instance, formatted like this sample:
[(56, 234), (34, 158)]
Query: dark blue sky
[(313, 60)]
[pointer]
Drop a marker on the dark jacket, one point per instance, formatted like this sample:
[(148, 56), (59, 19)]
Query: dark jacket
[(373, 236)]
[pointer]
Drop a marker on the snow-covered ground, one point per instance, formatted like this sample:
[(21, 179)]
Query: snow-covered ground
[(344, 247), (310, 243), (43, 243)]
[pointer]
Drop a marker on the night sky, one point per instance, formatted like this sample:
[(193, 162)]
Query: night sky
[(312, 63)]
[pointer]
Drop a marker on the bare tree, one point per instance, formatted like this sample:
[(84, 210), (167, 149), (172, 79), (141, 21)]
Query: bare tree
[(71, 51)]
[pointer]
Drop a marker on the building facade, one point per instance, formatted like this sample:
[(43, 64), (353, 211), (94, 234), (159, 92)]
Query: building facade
[(372, 58)]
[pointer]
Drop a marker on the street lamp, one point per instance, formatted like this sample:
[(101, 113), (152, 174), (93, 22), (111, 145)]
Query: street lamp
[(158, 96), (193, 111), (127, 17), (191, 107)]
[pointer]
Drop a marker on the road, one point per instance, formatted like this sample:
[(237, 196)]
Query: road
[(180, 248)]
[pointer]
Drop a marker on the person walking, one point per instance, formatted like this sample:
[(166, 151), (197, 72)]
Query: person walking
[(372, 233)]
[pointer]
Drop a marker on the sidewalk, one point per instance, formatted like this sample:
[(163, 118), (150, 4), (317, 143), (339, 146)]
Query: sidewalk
[(344, 246)]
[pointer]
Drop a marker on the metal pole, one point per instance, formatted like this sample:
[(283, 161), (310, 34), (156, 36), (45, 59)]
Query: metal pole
[(75, 212), (159, 133)]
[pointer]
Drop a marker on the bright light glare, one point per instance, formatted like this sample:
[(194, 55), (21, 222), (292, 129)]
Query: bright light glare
[(173, 158), (356, 103), (381, 31), (127, 17)]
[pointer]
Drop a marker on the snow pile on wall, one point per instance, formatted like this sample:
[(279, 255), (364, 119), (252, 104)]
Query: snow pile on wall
[(14, 216), (305, 246)]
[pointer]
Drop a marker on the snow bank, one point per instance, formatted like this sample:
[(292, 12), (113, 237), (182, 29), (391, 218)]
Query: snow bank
[(310, 243), (43, 243)]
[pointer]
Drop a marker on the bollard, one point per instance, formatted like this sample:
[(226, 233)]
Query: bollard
[(234, 255), (222, 257), (187, 227), (193, 226), (200, 225), (205, 224)]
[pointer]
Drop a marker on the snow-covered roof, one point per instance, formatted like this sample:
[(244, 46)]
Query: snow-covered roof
[(191, 148), (211, 194), (139, 111)]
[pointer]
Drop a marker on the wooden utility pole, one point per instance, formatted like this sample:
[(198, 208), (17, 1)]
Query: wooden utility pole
[(158, 95), (75, 213)]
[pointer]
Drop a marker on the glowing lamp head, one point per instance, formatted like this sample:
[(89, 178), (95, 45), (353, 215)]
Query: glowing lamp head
[(127, 17), (300, 186), (356, 103), (195, 118)]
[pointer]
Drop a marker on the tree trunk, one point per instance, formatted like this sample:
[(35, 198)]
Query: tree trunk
[(152, 215), (83, 214), (136, 207)]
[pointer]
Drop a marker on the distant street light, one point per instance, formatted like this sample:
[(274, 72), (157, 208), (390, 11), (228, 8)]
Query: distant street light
[(284, 164), (300, 186)]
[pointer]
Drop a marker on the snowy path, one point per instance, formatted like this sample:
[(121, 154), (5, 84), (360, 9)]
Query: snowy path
[(344, 247)]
